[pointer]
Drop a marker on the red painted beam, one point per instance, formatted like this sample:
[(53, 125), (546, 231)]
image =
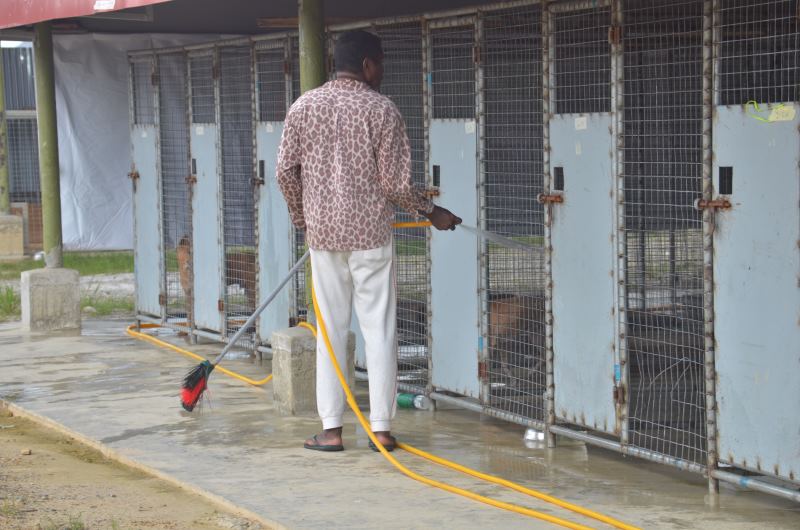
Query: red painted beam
[(15, 13)]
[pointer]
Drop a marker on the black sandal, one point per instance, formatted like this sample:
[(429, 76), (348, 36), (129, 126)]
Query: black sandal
[(320, 447), (389, 447)]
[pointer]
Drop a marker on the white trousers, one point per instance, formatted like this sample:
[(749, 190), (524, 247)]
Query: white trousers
[(364, 278)]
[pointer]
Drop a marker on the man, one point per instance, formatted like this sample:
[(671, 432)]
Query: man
[(343, 164)]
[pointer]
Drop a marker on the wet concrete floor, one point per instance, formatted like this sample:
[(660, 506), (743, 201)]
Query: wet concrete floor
[(124, 394)]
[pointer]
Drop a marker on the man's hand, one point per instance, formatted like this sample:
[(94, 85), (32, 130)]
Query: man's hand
[(443, 219)]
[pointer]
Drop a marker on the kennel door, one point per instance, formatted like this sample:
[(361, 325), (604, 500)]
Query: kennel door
[(756, 292), (206, 203), (274, 232), (454, 260), (207, 253), (583, 260), (148, 262)]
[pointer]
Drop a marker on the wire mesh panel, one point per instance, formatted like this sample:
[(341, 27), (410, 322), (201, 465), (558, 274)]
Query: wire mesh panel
[(201, 70), (144, 110), (300, 309), (582, 61), (23, 145), (759, 51), (19, 81), (663, 158), (175, 201), (23, 160), (453, 73), (513, 177), (239, 221), (403, 83), (271, 78)]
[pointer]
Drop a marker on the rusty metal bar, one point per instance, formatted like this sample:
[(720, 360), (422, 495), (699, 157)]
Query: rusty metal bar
[(547, 58), (708, 245)]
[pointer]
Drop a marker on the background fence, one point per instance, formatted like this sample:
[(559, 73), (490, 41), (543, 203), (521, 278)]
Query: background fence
[(23, 143)]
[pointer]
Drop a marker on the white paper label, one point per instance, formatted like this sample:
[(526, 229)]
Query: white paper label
[(270, 127), (581, 123), (782, 113), (469, 127), (104, 5), (199, 130)]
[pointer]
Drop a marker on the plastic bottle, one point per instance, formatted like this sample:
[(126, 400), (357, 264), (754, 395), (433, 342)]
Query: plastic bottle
[(412, 401)]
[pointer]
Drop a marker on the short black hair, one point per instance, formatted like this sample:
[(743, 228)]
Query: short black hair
[(352, 47)]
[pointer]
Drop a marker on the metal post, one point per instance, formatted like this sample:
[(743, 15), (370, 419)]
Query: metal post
[(312, 44), (48, 144), (547, 57), (709, 15), (312, 74), (5, 204)]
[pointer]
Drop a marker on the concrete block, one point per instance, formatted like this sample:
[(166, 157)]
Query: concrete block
[(51, 300), (294, 370), (12, 237)]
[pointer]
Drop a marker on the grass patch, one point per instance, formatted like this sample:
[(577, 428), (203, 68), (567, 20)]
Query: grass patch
[(9, 304), (108, 305), (86, 263), (75, 522), (9, 509)]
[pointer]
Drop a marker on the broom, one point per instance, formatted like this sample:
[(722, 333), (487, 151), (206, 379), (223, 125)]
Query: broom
[(196, 381)]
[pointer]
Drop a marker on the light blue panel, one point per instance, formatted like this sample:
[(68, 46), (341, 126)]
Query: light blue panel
[(147, 243), (757, 294), (454, 262), (582, 264), (206, 251), (275, 251)]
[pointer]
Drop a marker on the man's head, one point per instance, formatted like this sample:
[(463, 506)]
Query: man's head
[(359, 54)]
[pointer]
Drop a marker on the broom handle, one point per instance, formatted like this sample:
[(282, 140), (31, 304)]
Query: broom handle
[(261, 308)]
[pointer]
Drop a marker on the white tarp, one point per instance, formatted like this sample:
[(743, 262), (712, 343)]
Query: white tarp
[(92, 79)]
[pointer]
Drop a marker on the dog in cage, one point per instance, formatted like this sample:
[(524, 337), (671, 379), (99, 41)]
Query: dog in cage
[(516, 340), (240, 269)]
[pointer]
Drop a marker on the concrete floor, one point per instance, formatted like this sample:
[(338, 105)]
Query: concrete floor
[(124, 394)]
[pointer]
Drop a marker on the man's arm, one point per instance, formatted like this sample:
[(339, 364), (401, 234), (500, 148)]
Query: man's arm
[(394, 172), (288, 170)]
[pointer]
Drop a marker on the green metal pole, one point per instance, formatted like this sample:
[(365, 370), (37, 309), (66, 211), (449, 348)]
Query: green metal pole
[(312, 74), (5, 203), (312, 44), (48, 144)]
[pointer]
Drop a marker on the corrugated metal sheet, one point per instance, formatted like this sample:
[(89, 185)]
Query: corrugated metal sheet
[(22, 12)]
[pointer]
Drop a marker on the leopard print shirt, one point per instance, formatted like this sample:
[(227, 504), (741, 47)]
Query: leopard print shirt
[(344, 163)]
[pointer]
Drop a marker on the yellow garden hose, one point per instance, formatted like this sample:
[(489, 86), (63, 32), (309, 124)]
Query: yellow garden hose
[(413, 450), (452, 465), (446, 463), (148, 338)]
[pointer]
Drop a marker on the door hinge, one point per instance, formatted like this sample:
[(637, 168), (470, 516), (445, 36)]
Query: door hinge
[(614, 35), (221, 305), (618, 393), (483, 372), (162, 299), (133, 175)]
